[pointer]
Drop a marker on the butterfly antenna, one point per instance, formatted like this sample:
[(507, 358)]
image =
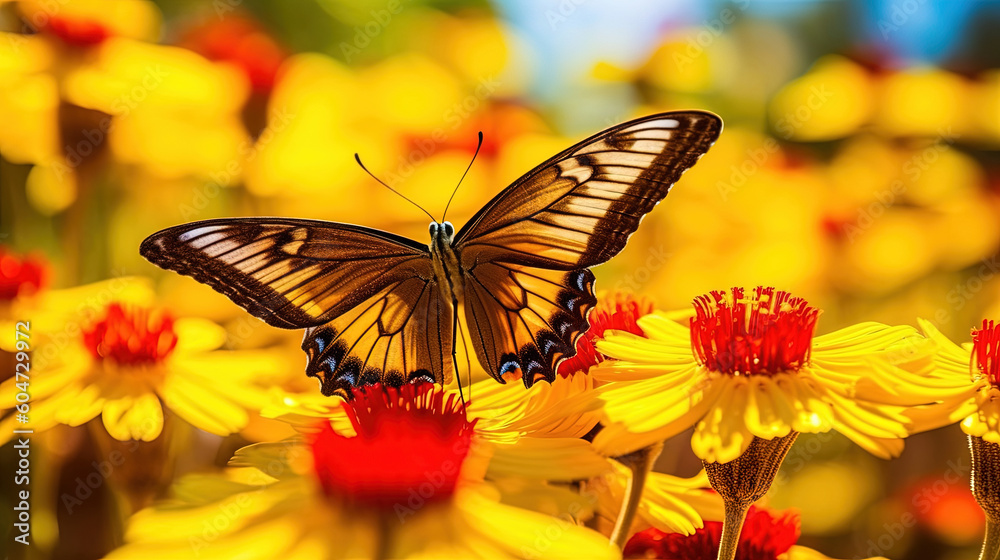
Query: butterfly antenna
[(381, 182), (480, 145)]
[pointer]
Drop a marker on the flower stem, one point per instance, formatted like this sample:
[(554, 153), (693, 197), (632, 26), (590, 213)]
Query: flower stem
[(732, 526), (640, 463), (986, 489), (743, 481), (991, 543), (383, 537)]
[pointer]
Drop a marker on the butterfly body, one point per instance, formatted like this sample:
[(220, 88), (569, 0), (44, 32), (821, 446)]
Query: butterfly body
[(447, 270), (378, 307)]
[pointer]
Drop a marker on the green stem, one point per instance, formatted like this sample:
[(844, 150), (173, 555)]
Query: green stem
[(640, 463), (991, 543), (732, 526)]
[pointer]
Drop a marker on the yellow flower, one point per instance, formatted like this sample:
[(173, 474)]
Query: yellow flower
[(129, 362), (544, 436), (404, 485), (970, 375), (750, 367)]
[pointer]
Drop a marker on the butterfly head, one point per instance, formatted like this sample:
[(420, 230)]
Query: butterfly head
[(443, 231)]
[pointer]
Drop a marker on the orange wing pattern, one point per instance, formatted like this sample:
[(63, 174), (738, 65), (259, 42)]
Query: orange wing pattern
[(401, 334), (574, 211), (290, 273)]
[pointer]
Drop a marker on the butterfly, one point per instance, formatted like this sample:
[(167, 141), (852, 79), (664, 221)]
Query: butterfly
[(379, 307)]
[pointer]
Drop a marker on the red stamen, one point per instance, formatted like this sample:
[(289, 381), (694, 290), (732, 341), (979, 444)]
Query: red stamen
[(619, 311), (986, 351), (768, 334), (766, 535), (21, 277), (131, 336), (408, 451)]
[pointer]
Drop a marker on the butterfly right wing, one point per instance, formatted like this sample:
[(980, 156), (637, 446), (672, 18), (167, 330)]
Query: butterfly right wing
[(368, 298)]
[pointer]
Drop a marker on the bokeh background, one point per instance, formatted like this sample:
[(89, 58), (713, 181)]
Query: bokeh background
[(859, 168)]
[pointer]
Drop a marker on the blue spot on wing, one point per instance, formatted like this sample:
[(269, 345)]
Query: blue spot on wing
[(331, 362), (508, 367)]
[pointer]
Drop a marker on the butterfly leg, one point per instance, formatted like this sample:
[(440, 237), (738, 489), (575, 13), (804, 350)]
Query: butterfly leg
[(454, 348)]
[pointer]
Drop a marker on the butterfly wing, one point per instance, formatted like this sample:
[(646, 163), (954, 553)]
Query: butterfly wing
[(360, 292), (524, 255)]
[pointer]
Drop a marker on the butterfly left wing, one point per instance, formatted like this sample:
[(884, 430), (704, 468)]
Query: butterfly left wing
[(525, 255), (368, 298)]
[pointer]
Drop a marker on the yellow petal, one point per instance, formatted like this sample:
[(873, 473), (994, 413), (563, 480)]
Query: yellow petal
[(563, 459)]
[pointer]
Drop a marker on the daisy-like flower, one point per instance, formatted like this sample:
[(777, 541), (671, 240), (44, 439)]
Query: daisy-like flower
[(752, 367), (404, 485), (130, 361), (769, 535), (618, 311), (749, 376), (972, 397)]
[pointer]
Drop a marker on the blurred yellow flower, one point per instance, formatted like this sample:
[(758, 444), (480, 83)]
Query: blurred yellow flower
[(746, 368), (128, 362), (832, 100), (350, 496), (923, 102)]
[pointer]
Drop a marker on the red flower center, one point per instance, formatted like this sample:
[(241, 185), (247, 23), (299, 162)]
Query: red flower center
[(242, 42), (768, 334), (78, 32), (131, 336), (765, 536), (986, 351), (408, 451), (619, 311), (20, 277)]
